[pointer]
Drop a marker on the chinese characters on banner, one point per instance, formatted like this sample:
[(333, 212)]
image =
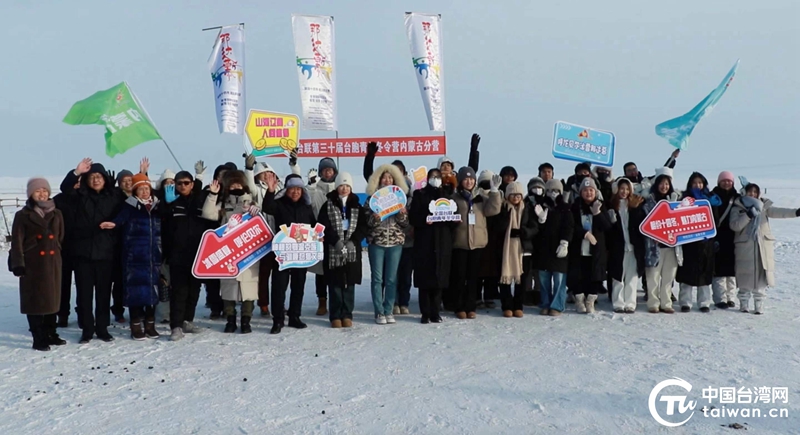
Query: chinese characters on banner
[(583, 144), (314, 52), (298, 246), (680, 222), (387, 146), (424, 33), (443, 210), (232, 248), (226, 65), (419, 177), (387, 201), (271, 133)]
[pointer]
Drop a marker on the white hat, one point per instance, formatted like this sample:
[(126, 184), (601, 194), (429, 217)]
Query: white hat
[(344, 178), (665, 170), (166, 175), (262, 167)]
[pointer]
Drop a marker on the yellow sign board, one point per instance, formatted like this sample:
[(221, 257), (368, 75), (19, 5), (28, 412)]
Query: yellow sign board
[(271, 133)]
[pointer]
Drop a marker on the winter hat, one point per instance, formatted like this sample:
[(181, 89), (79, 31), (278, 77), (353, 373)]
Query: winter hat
[(752, 186), (536, 182), (122, 174), (183, 175), (581, 166), (725, 175), (140, 180), (262, 167), (37, 183), (232, 177), (464, 173), (97, 168), (508, 170), (226, 167), (615, 185), (344, 178), (444, 159), (485, 175), (166, 175), (326, 163), (665, 170), (587, 183), (294, 180), (514, 188), (554, 184)]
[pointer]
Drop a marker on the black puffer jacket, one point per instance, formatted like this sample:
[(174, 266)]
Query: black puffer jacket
[(183, 228), (433, 244), (724, 258), (557, 227)]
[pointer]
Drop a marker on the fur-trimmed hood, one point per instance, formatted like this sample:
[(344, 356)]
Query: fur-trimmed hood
[(394, 171)]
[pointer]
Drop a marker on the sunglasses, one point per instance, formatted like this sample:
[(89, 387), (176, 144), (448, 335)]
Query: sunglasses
[(183, 183)]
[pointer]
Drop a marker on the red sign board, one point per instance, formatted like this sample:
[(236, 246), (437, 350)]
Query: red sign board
[(387, 146), (680, 222), (232, 248)]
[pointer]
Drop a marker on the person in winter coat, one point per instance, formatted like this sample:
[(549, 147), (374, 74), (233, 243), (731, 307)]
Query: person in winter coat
[(345, 227), (386, 239), (724, 285), (94, 248), (575, 182), (626, 245), (35, 258), (140, 225), (325, 184), (492, 257), (509, 175), (546, 172), (470, 236), (697, 269), (551, 247), (642, 185), (182, 230), (536, 196), (604, 178), (449, 179), (432, 249), (517, 225), (755, 250), (588, 250), (67, 209), (661, 262), (233, 197), (288, 206)]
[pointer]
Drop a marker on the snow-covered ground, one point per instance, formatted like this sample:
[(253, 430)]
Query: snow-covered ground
[(587, 374)]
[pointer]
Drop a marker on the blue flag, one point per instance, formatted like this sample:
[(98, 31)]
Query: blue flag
[(677, 130)]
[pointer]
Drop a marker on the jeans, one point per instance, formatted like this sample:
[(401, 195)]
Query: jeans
[(384, 262), (554, 290), (404, 272)]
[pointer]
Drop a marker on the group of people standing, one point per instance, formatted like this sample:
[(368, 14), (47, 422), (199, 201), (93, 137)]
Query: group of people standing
[(123, 236)]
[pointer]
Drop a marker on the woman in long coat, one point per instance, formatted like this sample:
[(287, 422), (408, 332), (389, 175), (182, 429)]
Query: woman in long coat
[(724, 285), (755, 250), (35, 258)]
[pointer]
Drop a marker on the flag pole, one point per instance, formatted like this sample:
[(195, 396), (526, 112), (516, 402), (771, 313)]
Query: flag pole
[(149, 118)]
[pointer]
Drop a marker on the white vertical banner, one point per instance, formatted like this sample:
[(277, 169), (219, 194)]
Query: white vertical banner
[(425, 39), (314, 53), (226, 65)]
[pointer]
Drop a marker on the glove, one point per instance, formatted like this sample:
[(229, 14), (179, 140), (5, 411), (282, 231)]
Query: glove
[(250, 162), (199, 169), (612, 216), (112, 175), (590, 237), (293, 157), (797, 212), (169, 194), (543, 217), (254, 210), (538, 210), (476, 140), (372, 148), (19, 271), (753, 212), (339, 246), (635, 201), (312, 176), (563, 249), (350, 246), (495, 183), (596, 207), (514, 232)]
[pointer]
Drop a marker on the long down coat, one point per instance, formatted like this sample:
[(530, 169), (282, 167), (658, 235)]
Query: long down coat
[(36, 246), (433, 243), (141, 251), (350, 273)]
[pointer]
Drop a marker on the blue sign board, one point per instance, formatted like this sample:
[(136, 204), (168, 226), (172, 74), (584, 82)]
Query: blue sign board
[(583, 144)]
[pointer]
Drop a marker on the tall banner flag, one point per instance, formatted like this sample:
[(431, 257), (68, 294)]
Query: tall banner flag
[(226, 65), (118, 110), (314, 53), (425, 39), (677, 130)]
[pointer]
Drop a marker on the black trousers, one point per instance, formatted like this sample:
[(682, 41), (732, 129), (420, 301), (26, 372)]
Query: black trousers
[(93, 283), (280, 282), (117, 289), (429, 301), (184, 296), (66, 286), (322, 286), (585, 285), (488, 289), (515, 301), (464, 282), (264, 271), (45, 323), (213, 295), (143, 312)]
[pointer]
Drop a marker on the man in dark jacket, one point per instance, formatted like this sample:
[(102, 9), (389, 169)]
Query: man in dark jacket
[(67, 208), (183, 229), (123, 190), (92, 248)]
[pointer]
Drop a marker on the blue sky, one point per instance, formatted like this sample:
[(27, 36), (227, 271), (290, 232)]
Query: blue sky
[(512, 68)]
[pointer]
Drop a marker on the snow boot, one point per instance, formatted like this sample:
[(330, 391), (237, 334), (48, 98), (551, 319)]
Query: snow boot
[(347, 323), (189, 328), (517, 313), (424, 320), (137, 330), (150, 328), (336, 323), (276, 327), (759, 307), (177, 334), (705, 310), (554, 313), (743, 304), (230, 327), (461, 315), (544, 312), (52, 337), (246, 328), (722, 305), (40, 340), (507, 313), (265, 311), (731, 304), (295, 322), (323, 307), (396, 310), (471, 315), (685, 309), (404, 310), (580, 303), (590, 300)]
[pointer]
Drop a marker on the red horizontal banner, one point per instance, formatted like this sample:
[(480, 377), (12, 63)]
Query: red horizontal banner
[(387, 146)]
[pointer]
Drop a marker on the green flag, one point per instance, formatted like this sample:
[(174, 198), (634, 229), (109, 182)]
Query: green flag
[(118, 110)]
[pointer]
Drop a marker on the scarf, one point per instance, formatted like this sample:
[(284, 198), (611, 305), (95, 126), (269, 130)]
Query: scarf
[(512, 248), (43, 207), (339, 258), (752, 228)]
